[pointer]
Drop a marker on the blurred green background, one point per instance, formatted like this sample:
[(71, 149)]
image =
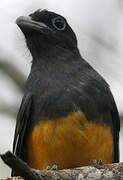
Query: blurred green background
[(99, 28)]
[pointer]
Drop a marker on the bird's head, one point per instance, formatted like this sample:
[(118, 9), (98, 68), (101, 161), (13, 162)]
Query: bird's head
[(45, 29)]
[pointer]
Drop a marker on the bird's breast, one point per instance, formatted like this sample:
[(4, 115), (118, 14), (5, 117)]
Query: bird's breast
[(69, 142)]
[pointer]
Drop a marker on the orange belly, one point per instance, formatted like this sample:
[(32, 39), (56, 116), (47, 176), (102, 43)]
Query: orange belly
[(69, 142)]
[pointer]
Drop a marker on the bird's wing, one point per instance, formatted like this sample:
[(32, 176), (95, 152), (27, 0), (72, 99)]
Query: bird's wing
[(22, 125), (116, 129)]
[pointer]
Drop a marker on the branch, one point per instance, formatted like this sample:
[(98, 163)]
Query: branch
[(111, 171), (8, 110), (13, 73)]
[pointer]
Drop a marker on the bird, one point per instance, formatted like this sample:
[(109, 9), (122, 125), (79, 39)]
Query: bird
[(68, 115)]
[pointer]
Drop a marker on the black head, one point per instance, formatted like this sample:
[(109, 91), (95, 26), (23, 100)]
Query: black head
[(44, 29)]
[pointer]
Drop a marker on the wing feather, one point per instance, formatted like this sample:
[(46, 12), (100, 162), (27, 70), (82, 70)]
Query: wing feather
[(22, 124)]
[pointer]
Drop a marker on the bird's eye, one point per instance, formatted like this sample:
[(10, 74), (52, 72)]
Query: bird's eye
[(59, 23)]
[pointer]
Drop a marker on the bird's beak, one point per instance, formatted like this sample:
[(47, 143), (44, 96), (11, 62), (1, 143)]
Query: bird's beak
[(27, 23)]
